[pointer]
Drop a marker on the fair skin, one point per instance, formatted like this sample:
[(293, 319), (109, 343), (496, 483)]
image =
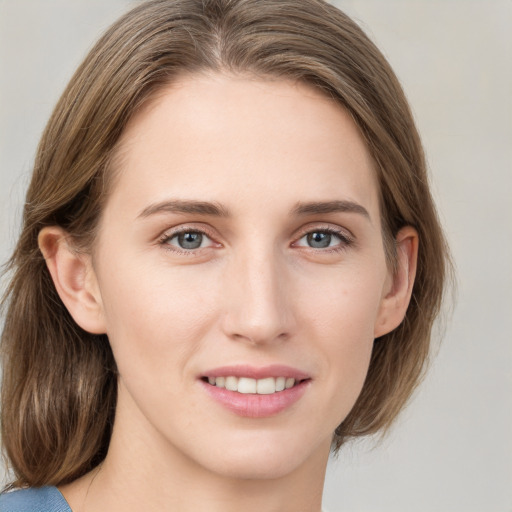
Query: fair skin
[(283, 266)]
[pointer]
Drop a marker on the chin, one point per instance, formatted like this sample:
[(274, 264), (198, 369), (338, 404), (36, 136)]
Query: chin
[(265, 456)]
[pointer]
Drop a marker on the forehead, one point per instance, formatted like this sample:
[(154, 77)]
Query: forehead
[(217, 136)]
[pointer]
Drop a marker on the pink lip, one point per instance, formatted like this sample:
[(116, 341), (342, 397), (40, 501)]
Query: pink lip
[(253, 405), (240, 370)]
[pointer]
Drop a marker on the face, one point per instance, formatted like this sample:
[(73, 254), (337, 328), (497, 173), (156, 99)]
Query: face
[(240, 252)]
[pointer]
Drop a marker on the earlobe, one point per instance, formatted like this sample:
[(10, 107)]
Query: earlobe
[(74, 279), (396, 299)]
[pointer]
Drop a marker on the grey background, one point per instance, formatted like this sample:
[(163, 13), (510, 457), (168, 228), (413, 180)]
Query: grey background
[(451, 450)]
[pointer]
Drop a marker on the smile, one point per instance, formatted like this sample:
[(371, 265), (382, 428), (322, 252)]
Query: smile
[(247, 385), (255, 392)]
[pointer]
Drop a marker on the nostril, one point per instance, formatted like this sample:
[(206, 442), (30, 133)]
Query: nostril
[(260, 337)]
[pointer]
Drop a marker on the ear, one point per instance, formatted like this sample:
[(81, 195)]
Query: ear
[(398, 288), (74, 279)]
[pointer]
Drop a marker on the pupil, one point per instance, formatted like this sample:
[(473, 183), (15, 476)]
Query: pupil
[(190, 240), (319, 240)]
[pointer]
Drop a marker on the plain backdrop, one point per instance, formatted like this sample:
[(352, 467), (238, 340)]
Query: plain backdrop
[(451, 451)]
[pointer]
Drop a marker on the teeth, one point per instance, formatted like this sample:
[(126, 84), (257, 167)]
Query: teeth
[(245, 385), (231, 383), (266, 386), (289, 383)]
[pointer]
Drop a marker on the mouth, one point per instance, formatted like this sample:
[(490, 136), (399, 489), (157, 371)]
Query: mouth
[(248, 385), (255, 392)]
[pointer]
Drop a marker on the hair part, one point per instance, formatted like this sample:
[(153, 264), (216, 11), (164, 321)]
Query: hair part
[(60, 382)]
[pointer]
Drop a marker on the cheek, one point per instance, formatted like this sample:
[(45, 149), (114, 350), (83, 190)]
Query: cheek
[(156, 316), (345, 301), (340, 317)]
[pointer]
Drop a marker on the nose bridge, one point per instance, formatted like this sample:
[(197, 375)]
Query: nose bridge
[(258, 302)]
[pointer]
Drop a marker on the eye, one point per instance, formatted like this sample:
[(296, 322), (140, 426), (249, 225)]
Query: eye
[(320, 239), (324, 239), (188, 240)]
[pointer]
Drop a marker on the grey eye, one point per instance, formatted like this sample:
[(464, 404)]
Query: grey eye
[(188, 240), (319, 239)]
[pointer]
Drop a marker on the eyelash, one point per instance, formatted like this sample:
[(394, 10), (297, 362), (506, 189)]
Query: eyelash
[(167, 237), (345, 240)]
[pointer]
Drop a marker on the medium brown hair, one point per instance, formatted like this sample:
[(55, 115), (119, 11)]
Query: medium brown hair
[(59, 382)]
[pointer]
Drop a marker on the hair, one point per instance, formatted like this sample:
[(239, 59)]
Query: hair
[(59, 382)]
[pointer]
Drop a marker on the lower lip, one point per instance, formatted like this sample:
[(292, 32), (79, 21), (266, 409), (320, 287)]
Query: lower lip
[(256, 406)]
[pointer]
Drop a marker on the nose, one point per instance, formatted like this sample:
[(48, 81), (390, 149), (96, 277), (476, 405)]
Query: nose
[(258, 300)]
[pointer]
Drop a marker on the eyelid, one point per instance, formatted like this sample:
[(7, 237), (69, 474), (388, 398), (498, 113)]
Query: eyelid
[(345, 242), (345, 235), (170, 233)]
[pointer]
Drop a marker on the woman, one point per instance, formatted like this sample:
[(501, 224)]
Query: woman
[(230, 264)]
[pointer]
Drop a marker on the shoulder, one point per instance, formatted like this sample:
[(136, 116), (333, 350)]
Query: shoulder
[(42, 499)]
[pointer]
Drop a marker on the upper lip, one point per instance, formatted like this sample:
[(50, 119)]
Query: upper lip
[(252, 372)]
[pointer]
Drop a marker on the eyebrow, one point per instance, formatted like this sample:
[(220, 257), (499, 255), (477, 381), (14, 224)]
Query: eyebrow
[(323, 207), (218, 210), (185, 206)]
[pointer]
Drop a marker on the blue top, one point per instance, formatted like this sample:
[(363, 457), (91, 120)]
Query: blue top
[(42, 499)]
